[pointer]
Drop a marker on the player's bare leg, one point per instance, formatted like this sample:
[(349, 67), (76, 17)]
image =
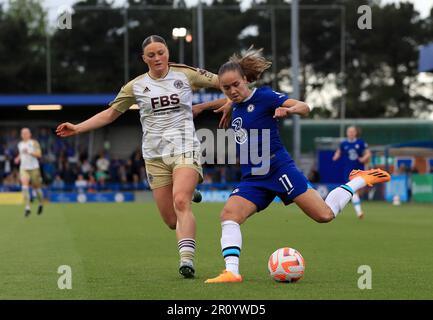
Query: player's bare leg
[(25, 184), (313, 206), (184, 183), (39, 195), (235, 212), (164, 201), (324, 211)]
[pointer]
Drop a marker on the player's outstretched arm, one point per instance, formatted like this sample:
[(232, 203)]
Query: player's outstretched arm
[(336, 155), (99, 120), (290, 107), (366, 156), (209, 105)]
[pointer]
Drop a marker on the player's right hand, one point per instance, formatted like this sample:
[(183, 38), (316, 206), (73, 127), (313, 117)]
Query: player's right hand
[(66, 129)]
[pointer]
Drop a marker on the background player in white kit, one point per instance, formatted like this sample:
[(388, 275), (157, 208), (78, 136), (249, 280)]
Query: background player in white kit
[(30, 174), (170, 146)]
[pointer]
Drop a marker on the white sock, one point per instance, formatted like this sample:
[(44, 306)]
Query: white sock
[(356, 201), (338, 198), (231, 244), (26, 193), (356, 184), (186, 248)]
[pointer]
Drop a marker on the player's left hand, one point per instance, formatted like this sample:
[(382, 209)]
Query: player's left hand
[(281, 113), (196, 110), (226, 109)]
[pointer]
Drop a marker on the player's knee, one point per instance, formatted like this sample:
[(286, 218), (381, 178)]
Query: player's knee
[(182, 201), (227, 214), (171, 225), (325, 216)]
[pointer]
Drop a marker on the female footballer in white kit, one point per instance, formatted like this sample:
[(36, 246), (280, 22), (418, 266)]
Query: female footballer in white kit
[(170, 146), (30, 174)]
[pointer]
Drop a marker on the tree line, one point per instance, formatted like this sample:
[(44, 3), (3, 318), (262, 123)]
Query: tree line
[(381, 62)]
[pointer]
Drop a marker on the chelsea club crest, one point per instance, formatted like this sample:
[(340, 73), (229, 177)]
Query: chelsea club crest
[(250, 108)]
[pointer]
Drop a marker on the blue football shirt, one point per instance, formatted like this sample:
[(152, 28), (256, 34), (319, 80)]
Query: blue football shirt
[(351, 151), (256, 133)]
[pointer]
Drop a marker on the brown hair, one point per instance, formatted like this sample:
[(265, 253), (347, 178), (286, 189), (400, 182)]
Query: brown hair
[(251, 64), (151, 39), (357, 129)]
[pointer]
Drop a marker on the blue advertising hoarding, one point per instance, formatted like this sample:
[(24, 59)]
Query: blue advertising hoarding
[(398, 186), (74, 197)]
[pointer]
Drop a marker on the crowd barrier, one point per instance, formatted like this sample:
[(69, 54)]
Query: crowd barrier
[(415, 187)]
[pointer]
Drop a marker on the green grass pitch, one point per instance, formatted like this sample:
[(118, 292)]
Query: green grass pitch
[(124, 251)]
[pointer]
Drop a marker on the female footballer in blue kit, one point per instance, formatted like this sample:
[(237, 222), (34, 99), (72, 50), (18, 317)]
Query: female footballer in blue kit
[(354, 154), (255, 112)]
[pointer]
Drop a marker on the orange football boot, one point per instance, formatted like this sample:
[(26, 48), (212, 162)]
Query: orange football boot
[(226, 276), (371, 177)]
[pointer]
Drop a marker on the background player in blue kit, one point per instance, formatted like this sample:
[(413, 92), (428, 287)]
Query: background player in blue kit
[(354, 154), (254, 121)]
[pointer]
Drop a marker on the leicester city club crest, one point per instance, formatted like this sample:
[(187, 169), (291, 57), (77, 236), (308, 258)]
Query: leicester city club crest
[(178, 84), (250, 108)]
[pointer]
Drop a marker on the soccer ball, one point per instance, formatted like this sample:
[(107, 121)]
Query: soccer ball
[(286, 265)]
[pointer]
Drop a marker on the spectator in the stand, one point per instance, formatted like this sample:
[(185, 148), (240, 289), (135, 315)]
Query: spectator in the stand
[(143, 177), (115, 164), (137, 162), (2, 162), (12, 179), (80, 183), (49, 171), (102, 166), (135, 181), (69, 174), (85, 168), (12, 140), (128, 167), (71, 155), (91, 184), (44, 138), (101, 181), (102, 163), (58, 183), (8, 163), (123, 176)]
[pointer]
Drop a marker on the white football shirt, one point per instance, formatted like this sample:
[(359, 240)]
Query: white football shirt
[(166, 109), (26, 148)]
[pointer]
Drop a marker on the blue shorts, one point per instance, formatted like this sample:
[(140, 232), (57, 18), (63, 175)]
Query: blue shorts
[(286, 182)]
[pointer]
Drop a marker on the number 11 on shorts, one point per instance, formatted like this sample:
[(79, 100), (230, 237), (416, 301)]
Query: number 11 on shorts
[(284, 179)]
